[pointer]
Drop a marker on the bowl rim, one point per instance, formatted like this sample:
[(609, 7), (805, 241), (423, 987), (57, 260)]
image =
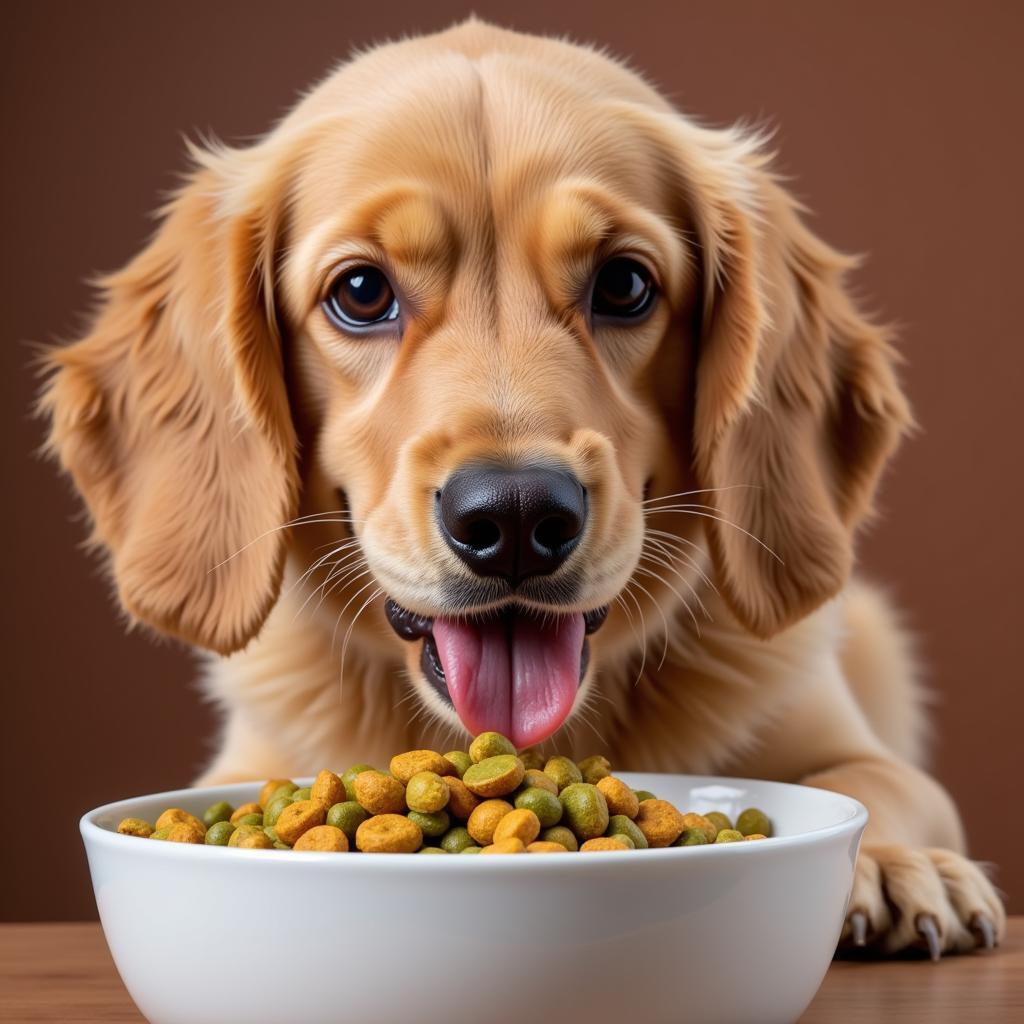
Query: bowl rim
[(854, 820)]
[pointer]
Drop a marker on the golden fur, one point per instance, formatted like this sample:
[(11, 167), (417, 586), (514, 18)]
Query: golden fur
[(212, 404)]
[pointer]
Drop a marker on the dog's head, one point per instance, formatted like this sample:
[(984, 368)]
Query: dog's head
[(517, 340)]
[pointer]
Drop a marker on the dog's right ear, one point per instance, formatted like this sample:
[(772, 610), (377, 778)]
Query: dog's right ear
[(172, 416)]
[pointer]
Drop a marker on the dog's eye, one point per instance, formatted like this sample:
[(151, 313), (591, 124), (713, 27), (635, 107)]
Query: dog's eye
[(361, 296), (623, 288)]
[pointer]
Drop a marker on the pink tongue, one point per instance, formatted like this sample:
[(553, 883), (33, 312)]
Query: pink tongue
[(520, 682)]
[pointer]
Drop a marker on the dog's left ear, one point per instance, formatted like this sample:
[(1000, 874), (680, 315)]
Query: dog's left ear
[(798, 406), (172, 416)]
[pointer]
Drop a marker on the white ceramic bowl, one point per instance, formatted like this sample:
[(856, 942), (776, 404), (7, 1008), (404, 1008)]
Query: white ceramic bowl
[(737, 932)]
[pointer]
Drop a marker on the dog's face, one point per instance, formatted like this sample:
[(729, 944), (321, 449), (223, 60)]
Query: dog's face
[(472, 309)]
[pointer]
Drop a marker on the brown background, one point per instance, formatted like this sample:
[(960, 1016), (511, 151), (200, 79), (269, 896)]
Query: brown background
[(901, 125)]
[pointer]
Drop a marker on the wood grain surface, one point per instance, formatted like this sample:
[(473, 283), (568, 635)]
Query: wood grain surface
[(63, 972)]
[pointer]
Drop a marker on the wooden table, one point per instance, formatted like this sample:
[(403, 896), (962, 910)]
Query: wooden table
[(63, 972)]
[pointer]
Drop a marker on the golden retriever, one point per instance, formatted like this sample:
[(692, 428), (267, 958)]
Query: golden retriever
[(489, 380)]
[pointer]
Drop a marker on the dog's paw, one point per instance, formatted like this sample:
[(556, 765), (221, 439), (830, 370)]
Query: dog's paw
[(907, 897)]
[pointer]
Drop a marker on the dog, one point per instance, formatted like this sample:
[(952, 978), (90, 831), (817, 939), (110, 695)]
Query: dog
[(488, 391)]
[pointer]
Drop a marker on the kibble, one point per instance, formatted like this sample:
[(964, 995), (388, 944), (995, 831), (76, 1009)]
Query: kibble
[(490, 799)]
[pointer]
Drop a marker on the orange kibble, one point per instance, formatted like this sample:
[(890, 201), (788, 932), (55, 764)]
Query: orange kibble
[(461, 802), (660, 822), (510, 845), (389, 833), (174, 815), (412, 762), (540, 846), (521, 824), (484, 820), (186, 832), (603, 843), (379, 793), (269, 788), (620, 798), (245, 809), (327, 789), (322, 839), (297, 818)]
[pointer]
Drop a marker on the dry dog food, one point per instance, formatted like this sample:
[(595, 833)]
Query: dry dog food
[(489, 799)]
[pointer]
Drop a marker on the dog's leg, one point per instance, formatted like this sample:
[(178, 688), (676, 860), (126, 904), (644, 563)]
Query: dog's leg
[(914, 886)]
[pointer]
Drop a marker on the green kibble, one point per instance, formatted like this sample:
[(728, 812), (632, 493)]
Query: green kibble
[(459, 760), (349, 776), (621, 826), (490, 744), (430, 849), (347, 816), (431, 825), (644, 794), (278, 845), (220, 811), (273, 809), (161, 833), (271, 833), (250, 819), (472, 849), (560, 834), (532, 758), (219, 833), (455, 840), (728, 835), (718, 819), (426, 792), (622, 837), (302, 794), (494, 776), (545, 805), (594, 769), (562, 771), (585, 809), (284, 790), (752, 822), (692, 837)]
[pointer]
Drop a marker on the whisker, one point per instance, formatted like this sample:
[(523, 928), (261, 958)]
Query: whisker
[(313, 518), (687, 583), (643, 629), (657, 608), (703, 490), (689, 510), (344, 646)]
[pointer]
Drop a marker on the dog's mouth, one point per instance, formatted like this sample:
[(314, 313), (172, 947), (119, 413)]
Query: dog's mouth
[(513, 671)]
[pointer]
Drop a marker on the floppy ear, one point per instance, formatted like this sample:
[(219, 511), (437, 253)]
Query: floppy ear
[(798, 406), (172, 416)]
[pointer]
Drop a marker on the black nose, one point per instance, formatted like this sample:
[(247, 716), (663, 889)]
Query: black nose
[(513, 523)]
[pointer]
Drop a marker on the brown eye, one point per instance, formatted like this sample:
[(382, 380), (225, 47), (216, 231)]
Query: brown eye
[(623, 288), (361, 296)]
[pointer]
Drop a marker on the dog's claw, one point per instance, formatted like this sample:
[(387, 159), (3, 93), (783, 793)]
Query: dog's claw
[(987, 932), (859, 928), (928, 929)]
